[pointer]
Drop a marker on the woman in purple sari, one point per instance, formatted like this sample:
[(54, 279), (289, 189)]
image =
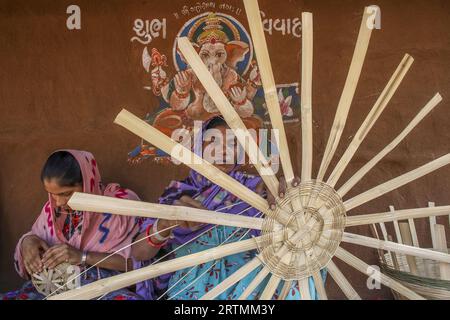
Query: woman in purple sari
[(197, 191)]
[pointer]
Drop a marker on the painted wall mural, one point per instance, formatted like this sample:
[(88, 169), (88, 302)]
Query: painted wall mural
[(225, 47)]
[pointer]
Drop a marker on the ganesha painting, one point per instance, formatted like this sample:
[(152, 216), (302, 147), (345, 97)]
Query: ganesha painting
[(225, 47)]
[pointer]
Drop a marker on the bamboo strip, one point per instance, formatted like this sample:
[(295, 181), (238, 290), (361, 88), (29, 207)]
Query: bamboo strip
[(373, 228), (364, 268), (268, 81), (396, 183), (395, 260), (100, 287), (441, 242), (230, 115), (398, 234), (348, 93), (412, 228), (306, 109), (320, 287), (391, 146), (285, 290), (395, 247), (342, 282), (360, 220), (432, 226), (270, 288), (231, 280), (182, 154), (94, 203), (255, 283), (376, 111), (407, 240), (386, 237), (303, 286)]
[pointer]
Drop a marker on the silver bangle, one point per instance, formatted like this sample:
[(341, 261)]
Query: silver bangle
[(84, 258), (156, 234)]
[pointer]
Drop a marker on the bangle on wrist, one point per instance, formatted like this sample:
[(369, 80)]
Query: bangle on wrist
[(156, 233), (83, 259), (149, 239)]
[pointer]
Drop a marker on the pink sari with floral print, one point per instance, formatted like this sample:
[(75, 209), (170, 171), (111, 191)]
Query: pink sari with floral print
[(103, 233)]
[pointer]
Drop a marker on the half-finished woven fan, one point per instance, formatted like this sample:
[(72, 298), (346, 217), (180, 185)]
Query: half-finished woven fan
[(303, 235)]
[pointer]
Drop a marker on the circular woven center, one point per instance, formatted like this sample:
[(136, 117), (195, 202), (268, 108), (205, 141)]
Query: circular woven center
[(58, 280), (316, 218)]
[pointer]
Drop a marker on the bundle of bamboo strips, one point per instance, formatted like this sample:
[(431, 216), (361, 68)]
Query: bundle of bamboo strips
[(427, 277)]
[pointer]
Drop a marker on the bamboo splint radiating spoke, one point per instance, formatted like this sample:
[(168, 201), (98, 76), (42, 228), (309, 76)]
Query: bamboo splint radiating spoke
[(306, 108), (230, 115), (255, 283), (270, 288), (348, 93), (275, 280), (395, 247), (359, 220), (342, 282), (372, 117), (397, 182), (124, 280), (320, 286), (184, 155), (233, 279), (364, 268), (391, 146), (285, 290), (303, 286), (94, 203), (268, 81)]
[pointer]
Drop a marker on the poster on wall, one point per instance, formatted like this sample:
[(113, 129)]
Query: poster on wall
[(217, 33)]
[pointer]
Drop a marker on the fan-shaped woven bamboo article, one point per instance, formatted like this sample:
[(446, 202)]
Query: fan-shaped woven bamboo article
[(302, 236)]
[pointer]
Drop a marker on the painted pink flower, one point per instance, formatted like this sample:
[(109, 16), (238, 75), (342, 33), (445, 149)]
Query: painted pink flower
[(285, 104)]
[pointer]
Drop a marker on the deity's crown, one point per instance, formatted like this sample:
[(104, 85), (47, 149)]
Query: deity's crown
[(212, 32)]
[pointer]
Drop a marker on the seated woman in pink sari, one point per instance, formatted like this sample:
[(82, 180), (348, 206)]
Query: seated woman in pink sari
[(79, 238)]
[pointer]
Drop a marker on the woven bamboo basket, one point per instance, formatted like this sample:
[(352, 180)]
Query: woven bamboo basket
[(426, 277)]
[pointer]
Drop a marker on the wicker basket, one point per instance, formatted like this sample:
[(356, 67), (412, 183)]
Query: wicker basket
[(426, 277), (428, 283)]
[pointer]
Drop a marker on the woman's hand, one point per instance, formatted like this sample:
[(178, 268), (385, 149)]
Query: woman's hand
[(32, 247), (61, 253), (281, 190), (184, 201)]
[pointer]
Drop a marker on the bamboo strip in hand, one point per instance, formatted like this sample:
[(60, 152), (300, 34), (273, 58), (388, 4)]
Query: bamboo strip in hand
[(101, 204), (103, 286)]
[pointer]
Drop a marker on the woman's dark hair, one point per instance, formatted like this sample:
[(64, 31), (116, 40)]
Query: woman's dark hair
[(63, 167), (216, 122)]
